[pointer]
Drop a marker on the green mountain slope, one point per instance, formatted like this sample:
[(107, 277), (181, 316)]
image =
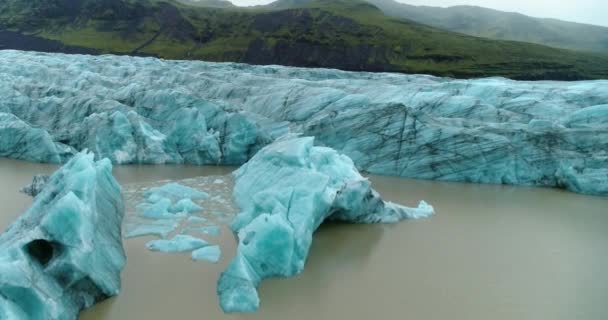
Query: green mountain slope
[(208, 3), (343, 34), (494, 24)]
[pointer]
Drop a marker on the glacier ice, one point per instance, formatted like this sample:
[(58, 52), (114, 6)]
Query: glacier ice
[(179, 243), (210, 253), (285, 192), (38, 183), (19, 140), (65, 253), (146, 110)]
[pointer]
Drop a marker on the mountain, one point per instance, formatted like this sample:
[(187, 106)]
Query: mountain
[(494, 24), (342, 34)]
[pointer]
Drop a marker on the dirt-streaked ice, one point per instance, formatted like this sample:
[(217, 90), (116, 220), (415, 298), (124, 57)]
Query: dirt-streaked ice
[(145, 110)]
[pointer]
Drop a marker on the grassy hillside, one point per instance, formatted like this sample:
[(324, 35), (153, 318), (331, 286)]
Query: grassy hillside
[(494, 24), (344, 34)]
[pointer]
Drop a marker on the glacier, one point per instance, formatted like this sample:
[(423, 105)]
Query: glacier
[(284, 193), (147, 110), (65, 253)]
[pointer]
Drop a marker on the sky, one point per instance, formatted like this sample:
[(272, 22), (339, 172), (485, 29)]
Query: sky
[(584, 11)]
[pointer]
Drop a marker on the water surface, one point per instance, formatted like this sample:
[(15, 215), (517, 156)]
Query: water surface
[(491, 252)]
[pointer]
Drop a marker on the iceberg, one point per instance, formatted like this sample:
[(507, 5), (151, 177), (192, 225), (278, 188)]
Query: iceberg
[(157, 210), (285, 192), (38, 183), (179, 243), (170, 201), (185, 205), (175, 192), (211, 254), (213, 231), (65, 253), (490, 130), (157, 228), (195, 219)]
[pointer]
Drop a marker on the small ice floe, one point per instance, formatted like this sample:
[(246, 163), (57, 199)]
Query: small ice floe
[(179, 243), (210, 253), (154, 228)]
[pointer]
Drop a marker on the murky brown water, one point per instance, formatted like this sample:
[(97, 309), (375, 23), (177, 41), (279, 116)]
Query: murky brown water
[(491, 252)]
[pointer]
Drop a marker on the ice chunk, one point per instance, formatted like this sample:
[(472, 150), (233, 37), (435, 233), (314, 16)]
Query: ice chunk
[(175, 192), (170, 201), (210, 230), (285, 192), (179, 243), (195, 219), (34, 188), (210, 253), (157, 210), (185, 205), (65, 253), (157, 228)]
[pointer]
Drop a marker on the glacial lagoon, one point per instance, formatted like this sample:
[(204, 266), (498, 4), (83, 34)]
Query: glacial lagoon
[(490, 252)]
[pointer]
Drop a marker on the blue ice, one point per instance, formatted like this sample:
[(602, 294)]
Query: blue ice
[(186, 206), (195, 219), (491, 130), (155, 228), (65, 253), (210, 253), (170, 201), (179, 243), (208, 230), (284, 193), (175, 192)]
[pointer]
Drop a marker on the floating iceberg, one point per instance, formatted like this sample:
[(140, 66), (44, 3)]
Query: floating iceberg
[(195, 219), (145, 110), (65, 253), (175, 192), (157, 210), (38, 183), (210, 253), (170, 201), (179, 243), (285, 192), (157, 228), (213, 231), (186, 206)]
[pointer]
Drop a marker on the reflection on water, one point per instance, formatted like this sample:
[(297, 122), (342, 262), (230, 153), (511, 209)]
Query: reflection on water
[(491, 252)]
